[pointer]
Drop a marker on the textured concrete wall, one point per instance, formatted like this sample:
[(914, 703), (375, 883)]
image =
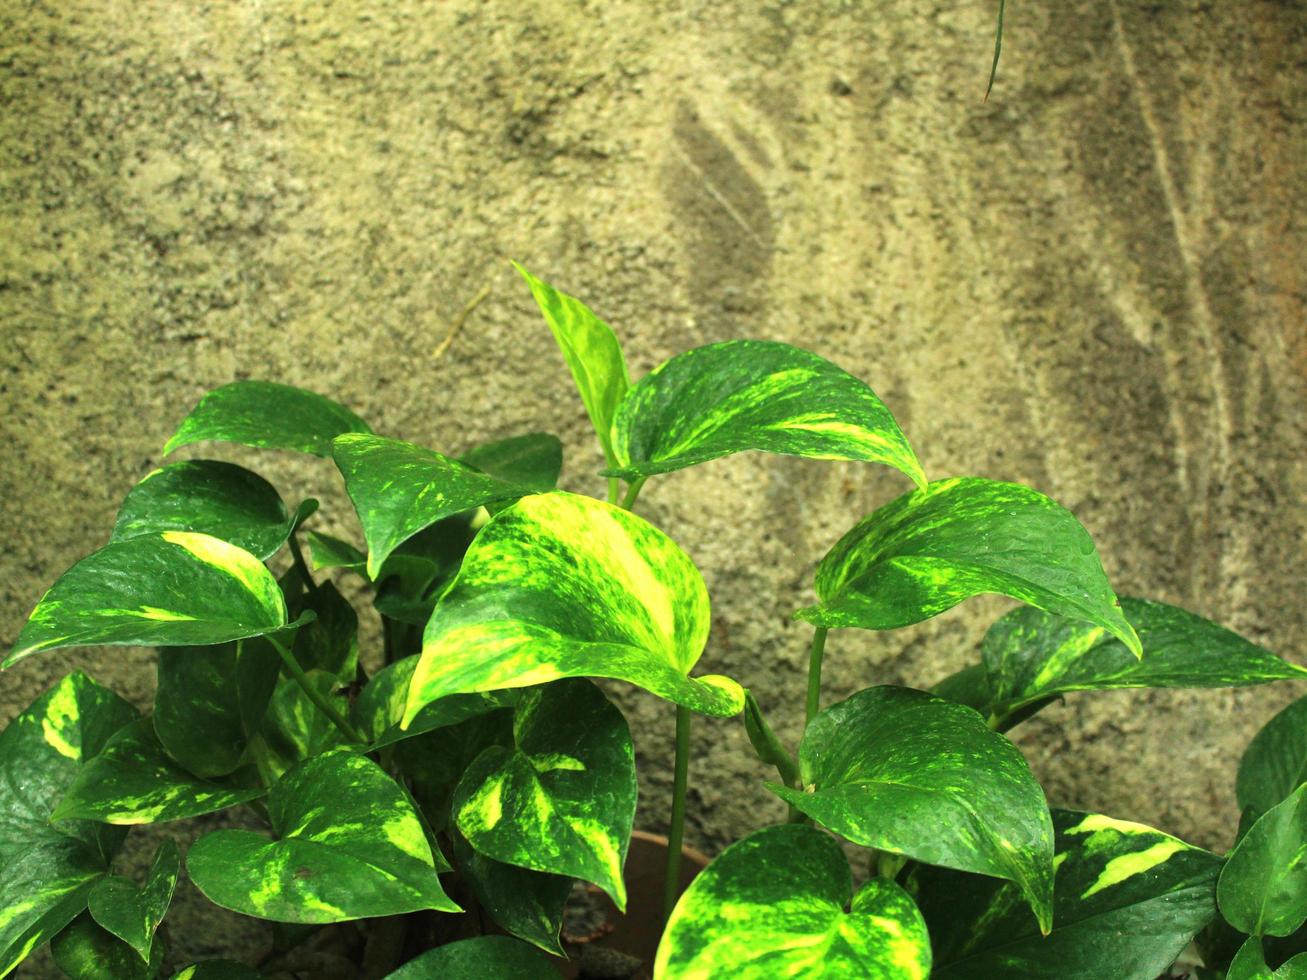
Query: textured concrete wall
[(1094, 284)]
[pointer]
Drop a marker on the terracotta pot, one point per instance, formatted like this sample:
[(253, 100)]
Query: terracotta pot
[(637, 932)]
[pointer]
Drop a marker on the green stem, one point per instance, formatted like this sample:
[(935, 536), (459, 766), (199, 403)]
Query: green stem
[(614, 489), (814, 674), (319, 701), (632, 492), (676, 834), (301, 565)]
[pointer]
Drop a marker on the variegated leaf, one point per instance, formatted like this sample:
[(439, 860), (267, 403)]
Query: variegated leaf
[(399, 489), (1126, 901), (349, 846), (50, 867), (753, 394), (131, 913), (524, 903), (559, 585), (174, 588), (294, 728), (478, 958), (1275, 762), (379, 708), (562, 800), (85, 951), (929, 550), (773, 905), (533, 461), (436, 761), (132, 781), (909, 773), (1250, 964), (1263, 886), (268, 416)]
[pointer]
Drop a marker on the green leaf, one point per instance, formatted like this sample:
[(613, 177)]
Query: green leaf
[(294, 729), (175, 588), (133, 914), (478, 958), (1031, 655), (134, 782), (563, 799), (1275, 762), (592, 352), (210, 700), (1126, 902), (929, 550), (328, 552), (379, 708), (773, 905), (267, 416), (909, 773), (399, 488), (350, 846), (435, 762), (1263, 886), (208, 497), (1250, 964), (533, 461), (49, 867), (84, 951), (217, 970), (753, 394), (766, 744), (330, 641), (559, 585), (526, 904)]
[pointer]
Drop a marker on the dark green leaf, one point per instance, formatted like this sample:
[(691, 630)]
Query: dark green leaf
[(592, 353), (134, 782), (399, 488), (218, 970), (379, 708), (175, 588), (50, 868), (1126, 902), (559, 585), (268, 416), (1250, 964), (328, 552), (753, 394), (909, 773), (532, 461), (477, 959), (350, 846), (131, 913), (435, 762), (526, 904), (773, 905), (931, 549), (84, 951), (420, 569), (294, 729), (208, 497), (1263, 887), (330, 642), (1275, 762)]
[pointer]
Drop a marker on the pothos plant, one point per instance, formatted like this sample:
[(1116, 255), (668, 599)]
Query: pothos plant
[(480, 766)]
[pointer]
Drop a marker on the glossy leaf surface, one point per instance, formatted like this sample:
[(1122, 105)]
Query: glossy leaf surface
[(326, 551), (1126, 902), (350, 846), (328, 642), (478, 958), (50, 867), (1275, 762), (753, 394), (379, 708), (131, 913), (132, 781), (909, 773), (175, 588), (85, 951), (560, 585), (1250, 964), (399, 489), (268, 416), (1263, 887), (524, 903), (294, 729), (533, 461), (929, 550), (773, 905), (562, 800)]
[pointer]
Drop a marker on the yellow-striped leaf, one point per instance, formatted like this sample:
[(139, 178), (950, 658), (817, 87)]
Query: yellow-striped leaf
[(773, 905), (753, 394), (131, 913), (929, 550), (379, 709), (559, 585), (173, 588)]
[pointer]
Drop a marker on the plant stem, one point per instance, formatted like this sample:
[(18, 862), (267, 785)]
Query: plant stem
[(614, 489), (814, 674), (301, 565), (319, 701), (676, 834), (632, 492)]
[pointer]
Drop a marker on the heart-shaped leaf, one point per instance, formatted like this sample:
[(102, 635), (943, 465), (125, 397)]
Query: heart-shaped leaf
[(1263, 886), (1126, 902), (929, 550), (592, 353), (753, 394), (350, 846), (524, 903), (906, 772), (174, 588), (1250, 964), (132, 781), (268, 416), (399, 488), (435, 762), (85, 951), (202, 495), (559, 585), (50, 867), (533, 461), (478, 958), (131, 913), (379, 708), (773, 905), (1275, 762), (294, 728), (563, 799)]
